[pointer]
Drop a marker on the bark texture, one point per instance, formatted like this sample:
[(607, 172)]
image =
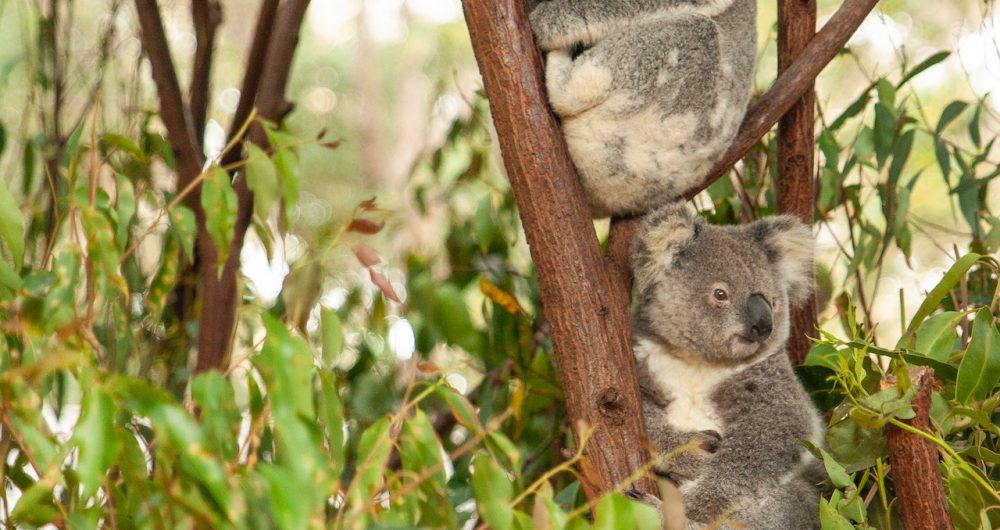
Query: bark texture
[(916, 472), (795, 183), (587, 308)]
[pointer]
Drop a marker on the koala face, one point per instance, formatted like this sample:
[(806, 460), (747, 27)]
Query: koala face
[(719, 294)]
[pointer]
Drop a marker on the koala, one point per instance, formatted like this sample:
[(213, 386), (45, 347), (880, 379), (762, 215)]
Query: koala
[(719, 396), (650, 93)]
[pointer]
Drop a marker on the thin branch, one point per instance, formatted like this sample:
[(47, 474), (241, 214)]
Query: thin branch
[(172, 109), (206, 15), (792, 84), (252, 75)]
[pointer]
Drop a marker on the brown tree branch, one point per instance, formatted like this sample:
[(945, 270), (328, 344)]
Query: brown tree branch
[(187, 155), (587, 309), (916, 472), (270, 79), (252, 74), (794, 186), (173, 112), (791, 85), (206, 15)]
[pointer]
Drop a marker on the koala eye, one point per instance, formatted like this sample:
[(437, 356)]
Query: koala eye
[(720, 295)]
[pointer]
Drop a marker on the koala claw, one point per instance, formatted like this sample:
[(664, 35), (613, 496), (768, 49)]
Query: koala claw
[(651, 500), (711, 442)]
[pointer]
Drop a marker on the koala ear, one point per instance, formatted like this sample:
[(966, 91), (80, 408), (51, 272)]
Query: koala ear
[(789, 246), (662, 235)]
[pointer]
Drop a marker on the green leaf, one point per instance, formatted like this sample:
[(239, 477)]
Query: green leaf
[(950, 279), (974, 126), (980, 368), (373, 449), (616, 511), (11, 226), (854, 448), (35, 506), (125, 209), (886, 93), (952, 111), (96, 438), (220, 418), (219, 201), (9, 280), (331, 416), (838, 475), (900, 154), (830, 518), (333, 335), (166, 277), (460, 408), (123, 143), (936, 336), (885, 128), (924, 65), (28, 168), (262, 179), (827, 356), (286, 364), (182, 224), (494, 492), (287, 164), (943, 158)]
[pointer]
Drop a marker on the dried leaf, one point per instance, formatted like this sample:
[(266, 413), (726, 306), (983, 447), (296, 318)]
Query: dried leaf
[(366, 255), (428, 367), (383, 284), (368, 205), (364, 226), (499, 296), (332, 145)]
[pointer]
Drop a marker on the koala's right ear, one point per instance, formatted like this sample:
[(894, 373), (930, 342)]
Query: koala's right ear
[(663, 234)]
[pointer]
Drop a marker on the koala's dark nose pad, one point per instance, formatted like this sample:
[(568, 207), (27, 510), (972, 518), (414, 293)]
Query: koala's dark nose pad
[(759, 323)]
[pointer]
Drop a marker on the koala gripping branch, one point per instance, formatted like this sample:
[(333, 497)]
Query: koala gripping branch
[(585, 305)]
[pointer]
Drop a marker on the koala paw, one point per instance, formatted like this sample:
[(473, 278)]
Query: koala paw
[(688, 458), (557, 28), (651, 500)]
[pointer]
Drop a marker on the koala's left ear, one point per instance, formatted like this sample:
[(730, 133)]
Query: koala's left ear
[(664, 232), (789, 246)]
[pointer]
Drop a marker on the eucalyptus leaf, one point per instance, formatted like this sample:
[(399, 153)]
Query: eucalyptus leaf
[(979, 372)]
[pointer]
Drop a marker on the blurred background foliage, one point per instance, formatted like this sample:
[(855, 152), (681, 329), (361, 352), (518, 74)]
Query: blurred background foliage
[(391, 365)]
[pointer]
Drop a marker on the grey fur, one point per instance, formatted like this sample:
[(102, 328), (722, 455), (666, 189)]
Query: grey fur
[(757, 475), (650, 92)]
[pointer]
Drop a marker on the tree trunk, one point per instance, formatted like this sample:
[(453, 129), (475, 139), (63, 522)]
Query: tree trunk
[(794, 186), (586, 308)]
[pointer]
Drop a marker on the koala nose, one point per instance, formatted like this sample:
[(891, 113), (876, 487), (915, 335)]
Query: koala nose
[(759, 324)]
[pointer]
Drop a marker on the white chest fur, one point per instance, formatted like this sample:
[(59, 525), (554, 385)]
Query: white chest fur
[(688, 386)]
